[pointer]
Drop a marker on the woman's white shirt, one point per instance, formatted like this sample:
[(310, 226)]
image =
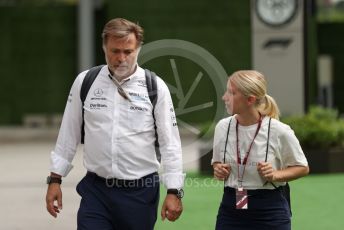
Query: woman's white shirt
[(284, 150)]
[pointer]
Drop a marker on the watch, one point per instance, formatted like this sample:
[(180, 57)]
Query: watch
[(51, 180), (276, 12), (178, 192)]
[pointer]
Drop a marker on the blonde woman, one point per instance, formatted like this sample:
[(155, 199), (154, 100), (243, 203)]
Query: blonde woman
[(255, 155)]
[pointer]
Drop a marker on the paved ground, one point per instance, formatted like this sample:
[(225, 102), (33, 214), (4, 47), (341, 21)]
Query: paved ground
[(24, 165)]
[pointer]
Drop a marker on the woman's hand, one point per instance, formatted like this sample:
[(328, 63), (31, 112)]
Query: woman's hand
[(221, 171), (266, 171)]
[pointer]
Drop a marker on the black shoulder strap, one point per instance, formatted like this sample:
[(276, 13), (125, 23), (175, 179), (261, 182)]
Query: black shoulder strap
[(267, 150), (285, 190), (224, 153), (90, 76), (152, 89), (151, 86), (267, 142)]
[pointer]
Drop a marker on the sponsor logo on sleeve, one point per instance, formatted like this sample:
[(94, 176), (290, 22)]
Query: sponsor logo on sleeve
[(70, 96)]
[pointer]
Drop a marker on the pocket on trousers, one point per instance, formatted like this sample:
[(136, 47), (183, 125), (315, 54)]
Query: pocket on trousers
[(79, 187), (146, 195)]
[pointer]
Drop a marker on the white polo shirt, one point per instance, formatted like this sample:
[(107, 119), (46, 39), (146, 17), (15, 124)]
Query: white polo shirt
[(119, 134), (284, 150)]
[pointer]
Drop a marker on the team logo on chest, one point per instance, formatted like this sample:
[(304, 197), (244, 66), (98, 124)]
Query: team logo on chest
[(98, 92)]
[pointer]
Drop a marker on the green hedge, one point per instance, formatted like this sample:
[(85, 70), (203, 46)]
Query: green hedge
[(37, 59), (320, 128)]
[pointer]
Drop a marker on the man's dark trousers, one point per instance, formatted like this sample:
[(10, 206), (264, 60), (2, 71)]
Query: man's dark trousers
[(117, 204)]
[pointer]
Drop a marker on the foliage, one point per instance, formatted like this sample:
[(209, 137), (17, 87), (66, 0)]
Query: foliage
[(319, 128), (330, 11)]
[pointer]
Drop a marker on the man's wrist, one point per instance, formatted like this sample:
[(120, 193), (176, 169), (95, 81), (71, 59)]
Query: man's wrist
[(52, 179), (55, 175), (177, 192), (215, 163)]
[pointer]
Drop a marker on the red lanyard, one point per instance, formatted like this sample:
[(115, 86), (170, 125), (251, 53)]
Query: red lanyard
[(242, 164)]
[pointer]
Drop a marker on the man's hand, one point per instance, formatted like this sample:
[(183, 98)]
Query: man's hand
[(54, 193), (221, 171), (172, 207)]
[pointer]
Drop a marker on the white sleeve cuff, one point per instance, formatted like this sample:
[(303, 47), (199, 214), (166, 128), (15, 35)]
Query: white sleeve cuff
[(215, 160), (59, 165), (173, 180)]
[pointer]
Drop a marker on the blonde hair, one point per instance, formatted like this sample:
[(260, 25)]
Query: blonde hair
[(251, 82), (120, 28)]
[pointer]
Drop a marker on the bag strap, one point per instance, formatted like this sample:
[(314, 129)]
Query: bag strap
[(90, 76), (152, 89), (151, 86), (224, 153), (267, 151), (268, 140), (285, 190)]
